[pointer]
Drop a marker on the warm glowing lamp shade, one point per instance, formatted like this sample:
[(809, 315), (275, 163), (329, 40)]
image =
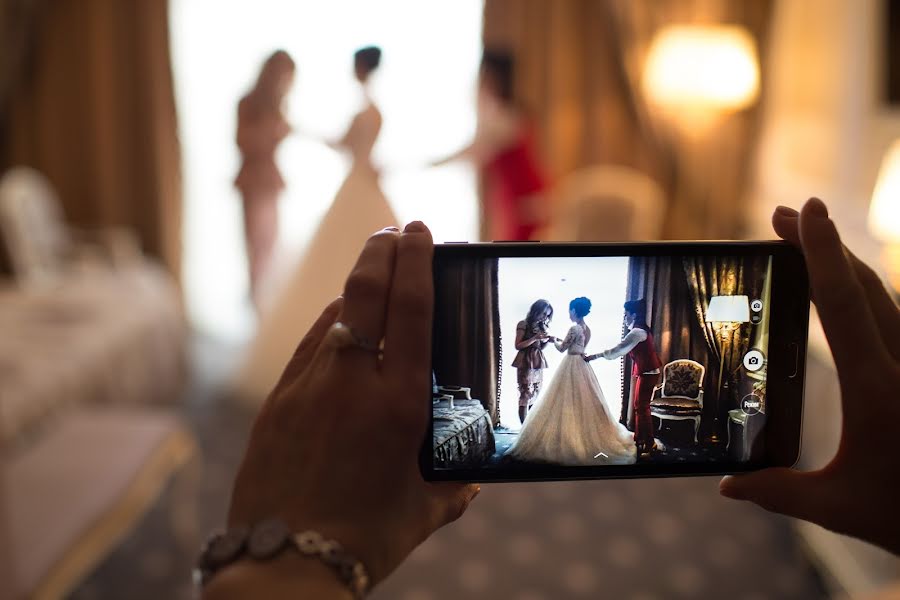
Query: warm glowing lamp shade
[(728, 312), (728, 309), (884, 213), (702, 67)]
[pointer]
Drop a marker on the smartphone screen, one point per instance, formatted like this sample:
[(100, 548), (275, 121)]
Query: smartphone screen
[(554, 361)]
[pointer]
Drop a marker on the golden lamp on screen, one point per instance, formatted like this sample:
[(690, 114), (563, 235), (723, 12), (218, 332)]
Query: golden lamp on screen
[(726, 313), (884, 212), (702, 70)]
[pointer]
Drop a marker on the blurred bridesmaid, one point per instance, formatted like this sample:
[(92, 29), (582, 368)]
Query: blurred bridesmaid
[(515, 202), (261, 128)]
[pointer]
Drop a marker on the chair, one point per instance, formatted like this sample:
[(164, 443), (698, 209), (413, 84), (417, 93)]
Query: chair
[(680, 395), (40, 247), (449, 393), (749, 424), (606, 203), (31, 225)]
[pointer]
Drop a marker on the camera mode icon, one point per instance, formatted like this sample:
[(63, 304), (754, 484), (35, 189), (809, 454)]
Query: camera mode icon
[(753, 360), (756, 305)]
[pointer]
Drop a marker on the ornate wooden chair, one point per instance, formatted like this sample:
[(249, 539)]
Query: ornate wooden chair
[(680, 395)]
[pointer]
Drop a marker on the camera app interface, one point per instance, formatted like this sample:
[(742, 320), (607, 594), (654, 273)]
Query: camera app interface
[(589, 361)]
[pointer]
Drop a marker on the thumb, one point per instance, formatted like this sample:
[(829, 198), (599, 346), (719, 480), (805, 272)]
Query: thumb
[(781, 490)]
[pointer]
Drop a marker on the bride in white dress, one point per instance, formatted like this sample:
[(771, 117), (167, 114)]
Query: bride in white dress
[(571, 423), (358, 210)]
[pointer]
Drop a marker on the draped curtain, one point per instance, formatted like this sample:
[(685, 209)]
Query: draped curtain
[(578, 74), (570, 79), (723, 276), (86, 97), (709, 170), (677, 291), (661, 282), (466, 340)]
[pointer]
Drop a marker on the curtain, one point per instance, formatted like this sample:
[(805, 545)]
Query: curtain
[(710, 171), (466, 341), (710, 276), (91, 105), (570, 79), (18, 19), (660, 281), (578, 74)]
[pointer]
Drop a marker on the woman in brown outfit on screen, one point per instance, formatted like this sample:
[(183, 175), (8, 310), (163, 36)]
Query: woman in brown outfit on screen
[(531, 337)]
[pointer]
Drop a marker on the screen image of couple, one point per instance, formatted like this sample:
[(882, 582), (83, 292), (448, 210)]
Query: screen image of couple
[(592, 361)]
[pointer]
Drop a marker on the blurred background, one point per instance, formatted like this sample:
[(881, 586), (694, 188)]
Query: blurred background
[(183, 181)]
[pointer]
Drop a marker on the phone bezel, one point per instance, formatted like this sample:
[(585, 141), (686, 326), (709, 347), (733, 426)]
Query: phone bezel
[(788, 330)]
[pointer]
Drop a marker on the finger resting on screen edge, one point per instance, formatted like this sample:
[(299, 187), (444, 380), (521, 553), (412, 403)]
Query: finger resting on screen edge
[(407, 343)]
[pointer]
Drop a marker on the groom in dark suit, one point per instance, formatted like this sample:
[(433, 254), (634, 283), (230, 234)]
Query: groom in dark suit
[(638, 344)]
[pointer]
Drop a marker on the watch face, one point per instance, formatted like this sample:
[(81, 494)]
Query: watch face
[(268, 538), (225, 547)]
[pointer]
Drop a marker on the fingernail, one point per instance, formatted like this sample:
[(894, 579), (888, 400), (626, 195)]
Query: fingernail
[(726, 488), (816, 208), (786, 211), (475, 493), (391, 228), (414, 226)]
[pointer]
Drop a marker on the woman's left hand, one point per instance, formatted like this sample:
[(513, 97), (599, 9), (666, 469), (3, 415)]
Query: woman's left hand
[(335, 447)]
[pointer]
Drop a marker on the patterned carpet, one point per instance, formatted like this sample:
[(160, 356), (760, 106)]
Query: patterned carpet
[(631, 540)]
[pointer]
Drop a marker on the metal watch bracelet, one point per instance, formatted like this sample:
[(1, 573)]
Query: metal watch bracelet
[(271, 537)]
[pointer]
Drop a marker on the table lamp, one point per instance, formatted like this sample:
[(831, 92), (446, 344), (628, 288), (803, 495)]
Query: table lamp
[(884, 213), (726, 313)]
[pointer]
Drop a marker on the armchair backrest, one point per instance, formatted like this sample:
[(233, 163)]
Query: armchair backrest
[(684, 378), (31, 225), (610, 203)]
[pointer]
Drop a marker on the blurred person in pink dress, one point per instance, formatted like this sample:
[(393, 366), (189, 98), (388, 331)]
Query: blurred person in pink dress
[(515, 200), (260, 129)]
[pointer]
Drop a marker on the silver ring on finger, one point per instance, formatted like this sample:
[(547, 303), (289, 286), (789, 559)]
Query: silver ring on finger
[(345, 336)]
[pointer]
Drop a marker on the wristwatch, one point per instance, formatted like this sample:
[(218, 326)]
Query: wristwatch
[(271, 537)]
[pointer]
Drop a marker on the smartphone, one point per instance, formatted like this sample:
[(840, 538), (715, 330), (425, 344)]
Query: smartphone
[(583, 361)]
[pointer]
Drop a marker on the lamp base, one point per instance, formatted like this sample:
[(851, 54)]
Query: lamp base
[(713, 437)]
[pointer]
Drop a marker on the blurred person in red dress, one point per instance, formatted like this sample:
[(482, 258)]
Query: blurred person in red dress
[(515, 202), (260, 129)]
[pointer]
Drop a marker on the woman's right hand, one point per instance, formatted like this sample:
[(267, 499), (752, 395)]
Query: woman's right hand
[(335, 447), (856, 493)]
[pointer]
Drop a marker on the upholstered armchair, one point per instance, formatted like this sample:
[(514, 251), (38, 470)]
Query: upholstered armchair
[(680, 395)]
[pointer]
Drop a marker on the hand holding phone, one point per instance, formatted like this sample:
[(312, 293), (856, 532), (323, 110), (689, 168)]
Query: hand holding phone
[(862, 323), (692, 370)]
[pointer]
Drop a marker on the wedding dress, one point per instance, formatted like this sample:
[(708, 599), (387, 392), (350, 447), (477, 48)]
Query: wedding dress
[(570, 423), (358, 210)]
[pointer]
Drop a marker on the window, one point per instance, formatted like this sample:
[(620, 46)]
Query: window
[(602, 280), (424, 88)]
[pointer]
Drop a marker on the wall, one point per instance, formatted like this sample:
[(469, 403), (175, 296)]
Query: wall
[(825, 128), (824, 133)]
